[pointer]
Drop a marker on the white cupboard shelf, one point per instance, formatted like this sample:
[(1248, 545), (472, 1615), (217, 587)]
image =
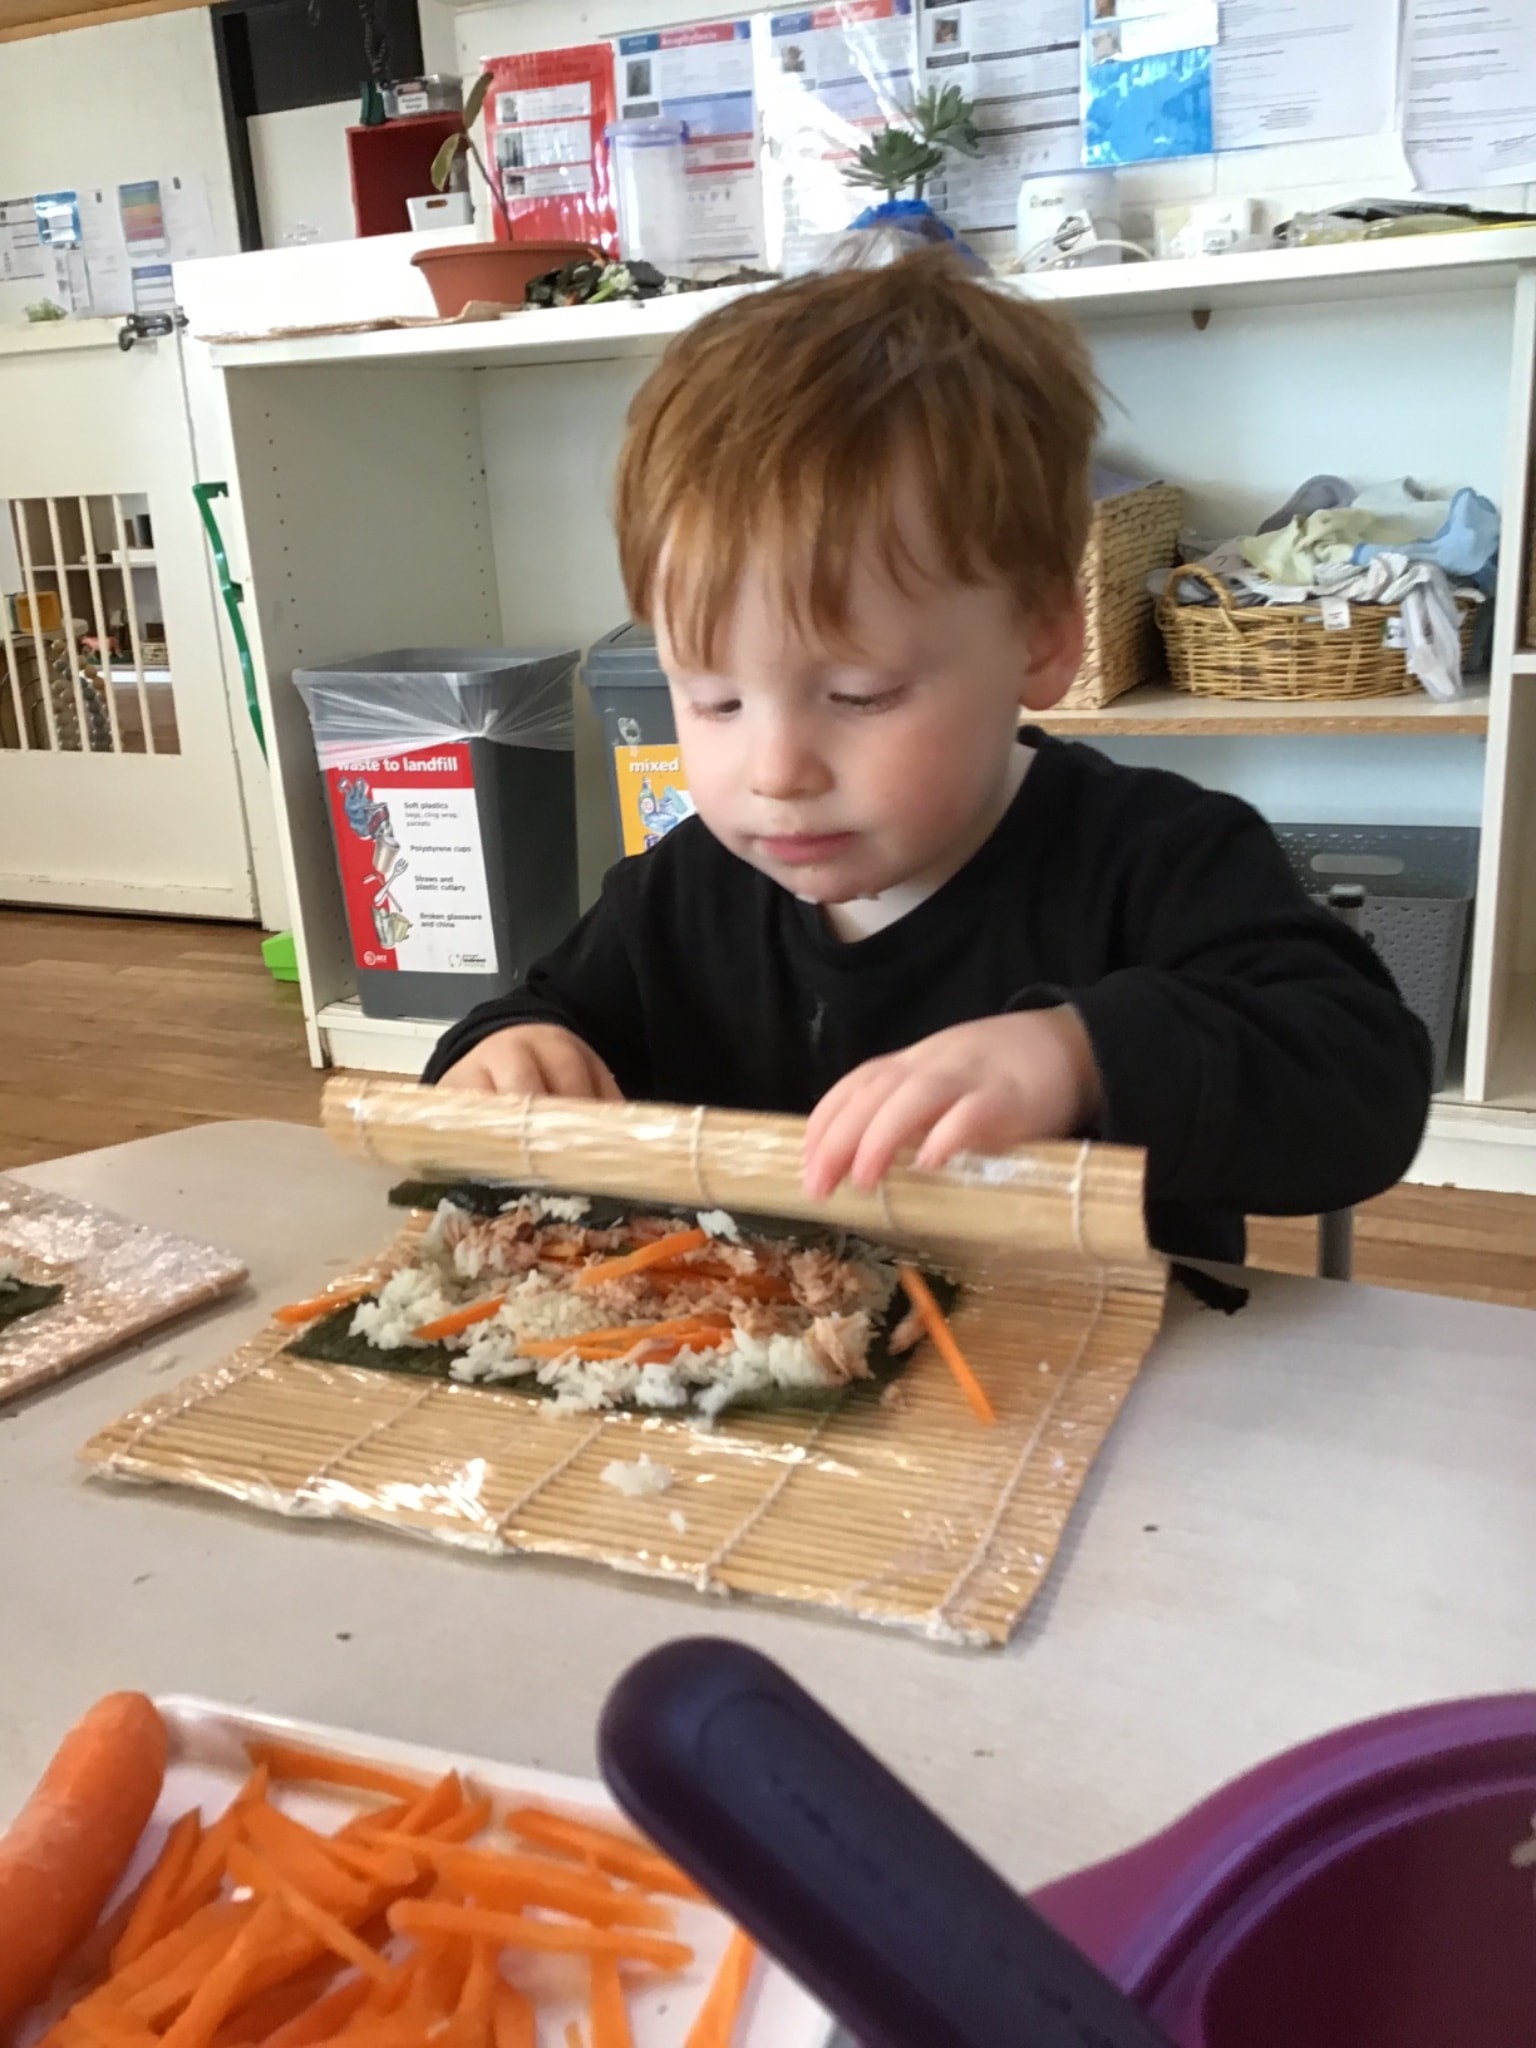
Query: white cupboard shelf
[(434, 485)]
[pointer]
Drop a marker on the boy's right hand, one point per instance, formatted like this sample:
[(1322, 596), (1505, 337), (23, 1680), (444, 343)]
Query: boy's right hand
[(534, 1059)]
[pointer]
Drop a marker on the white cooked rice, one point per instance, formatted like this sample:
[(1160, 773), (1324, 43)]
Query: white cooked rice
[(636, 1477), (717, 1223)]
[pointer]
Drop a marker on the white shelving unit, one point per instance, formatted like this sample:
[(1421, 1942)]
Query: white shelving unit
[(445, 485)]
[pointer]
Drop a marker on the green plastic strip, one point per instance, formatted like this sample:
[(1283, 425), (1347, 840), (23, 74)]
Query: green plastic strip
[(233, 597)]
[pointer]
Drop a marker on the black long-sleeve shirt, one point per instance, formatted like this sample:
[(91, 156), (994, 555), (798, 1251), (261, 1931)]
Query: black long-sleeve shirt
[(1252, 1043)]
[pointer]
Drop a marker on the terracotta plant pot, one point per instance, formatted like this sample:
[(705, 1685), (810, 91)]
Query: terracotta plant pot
[(495, 273)]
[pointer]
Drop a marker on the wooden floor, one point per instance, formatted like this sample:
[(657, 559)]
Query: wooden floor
[(114, 1028)]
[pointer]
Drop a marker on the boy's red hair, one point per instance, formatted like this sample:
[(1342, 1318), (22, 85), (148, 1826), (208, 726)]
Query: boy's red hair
[(782, 424)]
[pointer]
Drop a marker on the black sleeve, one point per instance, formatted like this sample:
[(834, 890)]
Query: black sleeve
[(587, 984), (1257, 1049)]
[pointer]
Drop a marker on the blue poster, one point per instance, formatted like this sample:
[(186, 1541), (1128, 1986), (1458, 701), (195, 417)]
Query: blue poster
[(1143, 103)]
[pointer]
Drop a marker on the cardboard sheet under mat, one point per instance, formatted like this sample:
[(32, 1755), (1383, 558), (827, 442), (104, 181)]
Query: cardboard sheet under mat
[(899, 1508), (119, 1280)]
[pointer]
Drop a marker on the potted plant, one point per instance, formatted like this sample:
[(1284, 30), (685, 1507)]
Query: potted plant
[(495, 272), (905, 155)]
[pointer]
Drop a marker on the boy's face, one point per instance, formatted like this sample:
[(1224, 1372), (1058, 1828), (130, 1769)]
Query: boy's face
[(843, 774)]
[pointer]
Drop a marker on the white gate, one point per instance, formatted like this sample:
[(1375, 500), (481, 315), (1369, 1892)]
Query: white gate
[(118, 782)]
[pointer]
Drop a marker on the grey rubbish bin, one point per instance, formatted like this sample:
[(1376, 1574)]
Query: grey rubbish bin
[(629, 694), (1419, 882), (449, 777)]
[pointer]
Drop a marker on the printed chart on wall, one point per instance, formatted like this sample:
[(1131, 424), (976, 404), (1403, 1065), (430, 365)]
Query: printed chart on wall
[(1469, 114), (702, 75), (107, 249), (653, 794), (1303, 70), (827, 77), (1147, 74), (1020, 62), (412, 862), (546, 118)]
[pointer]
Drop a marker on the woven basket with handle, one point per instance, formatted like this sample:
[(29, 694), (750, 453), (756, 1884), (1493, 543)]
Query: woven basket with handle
[(1281, 650), (1132, 535)]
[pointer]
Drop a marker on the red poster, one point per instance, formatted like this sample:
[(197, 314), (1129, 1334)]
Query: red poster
[(412, 862), (546, 119)]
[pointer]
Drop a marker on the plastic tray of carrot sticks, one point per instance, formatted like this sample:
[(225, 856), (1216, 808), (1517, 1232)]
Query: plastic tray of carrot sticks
[(300, 1886)]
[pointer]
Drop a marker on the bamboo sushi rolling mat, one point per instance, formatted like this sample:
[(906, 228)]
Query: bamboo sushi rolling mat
[(119, 1280), (898, 1508)]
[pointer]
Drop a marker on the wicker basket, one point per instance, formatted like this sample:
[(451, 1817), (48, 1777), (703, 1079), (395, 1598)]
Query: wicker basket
[(1132, 535), (1281, 651)]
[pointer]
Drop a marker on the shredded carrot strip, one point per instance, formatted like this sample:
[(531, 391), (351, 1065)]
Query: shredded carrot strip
[(715, 2026), (615, 1854), (609, 2014), (324, 2018), (321, 1304), (151, 1913), (513, 2023), (518, 1880), (920, 1294), (330, 1932), (623, 1339), (286, 1761), (515, 1930), (458, 1319), (303, 1858), (656, 1253), (222, 1986), (573, 2037)]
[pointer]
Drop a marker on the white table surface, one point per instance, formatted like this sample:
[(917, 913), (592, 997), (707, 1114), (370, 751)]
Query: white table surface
[(1317, 1510)]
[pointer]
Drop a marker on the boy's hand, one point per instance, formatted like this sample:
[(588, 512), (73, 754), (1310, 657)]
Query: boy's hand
[(979, 1087), (534, 1059)]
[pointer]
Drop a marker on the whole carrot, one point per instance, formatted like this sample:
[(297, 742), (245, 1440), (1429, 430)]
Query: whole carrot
[(65, 1854)]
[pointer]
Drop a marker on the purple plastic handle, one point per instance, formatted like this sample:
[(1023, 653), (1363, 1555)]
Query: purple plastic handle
[(837, 1869)]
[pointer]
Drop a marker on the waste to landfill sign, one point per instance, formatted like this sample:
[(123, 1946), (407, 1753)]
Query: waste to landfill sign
[(412, 861)]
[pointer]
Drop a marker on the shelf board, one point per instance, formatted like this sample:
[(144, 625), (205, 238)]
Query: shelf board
[(1155, 710), (1476, 260), (377, 1045), (1525, 662)]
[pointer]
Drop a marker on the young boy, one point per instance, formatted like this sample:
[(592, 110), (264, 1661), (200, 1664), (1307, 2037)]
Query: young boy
[(853, 507)]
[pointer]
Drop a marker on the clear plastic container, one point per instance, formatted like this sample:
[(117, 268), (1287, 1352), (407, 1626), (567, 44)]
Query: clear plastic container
[(651, 186)]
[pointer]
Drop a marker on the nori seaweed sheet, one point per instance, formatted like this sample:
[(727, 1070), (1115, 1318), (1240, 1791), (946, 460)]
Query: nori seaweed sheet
[(331, 1342), (18, 1298)]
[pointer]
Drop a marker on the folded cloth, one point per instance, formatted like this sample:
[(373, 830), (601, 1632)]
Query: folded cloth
[(1459, 534), (1431, 620), (1317, 494), (1294, 553)]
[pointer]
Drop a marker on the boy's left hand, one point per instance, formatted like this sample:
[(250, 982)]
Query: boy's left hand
[(980, 1087)]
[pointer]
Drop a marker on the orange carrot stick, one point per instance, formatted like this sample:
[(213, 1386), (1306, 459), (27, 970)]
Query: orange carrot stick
[(617, 1342), (615, 1854), (224, 1984), (472, 1819), (324, 2018), (150, 1915), (573, 2038), (249, 1868), (515, 1930), (65, 1855), (674, 1246), (474, 2015), (920, 1294), (715, 2026), (205, 1873), (512, 2021), (458, 1319), (293, 1852), (318, 1305), (512, 1880), (610, 2013), (287, 1762)]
